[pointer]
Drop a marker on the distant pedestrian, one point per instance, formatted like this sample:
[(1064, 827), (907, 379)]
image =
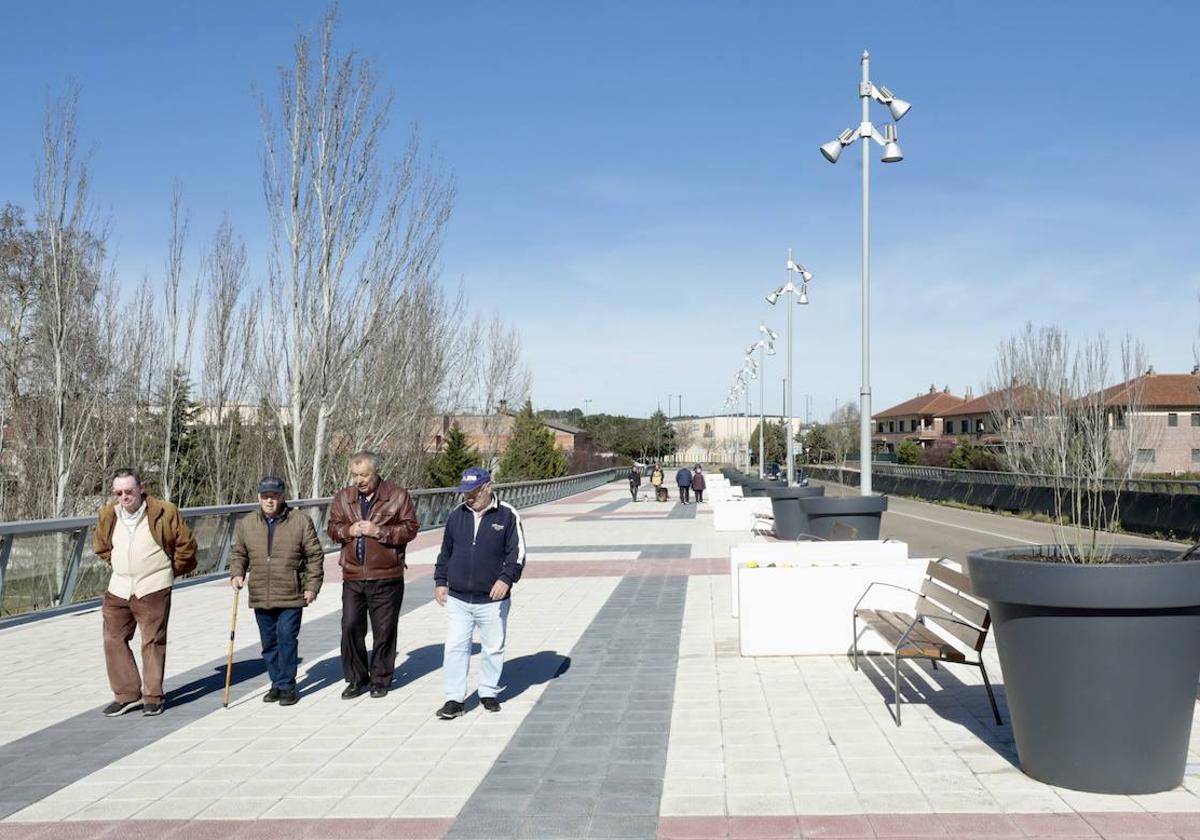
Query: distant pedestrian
[(656, 479), (148, 545), (482, 557), (373, 520), (278, 549), (698, 484), (635, 481), (683, 479)]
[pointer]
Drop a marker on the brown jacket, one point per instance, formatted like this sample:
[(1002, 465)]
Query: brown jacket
[(394, 512), (166, 526), (283, 570)]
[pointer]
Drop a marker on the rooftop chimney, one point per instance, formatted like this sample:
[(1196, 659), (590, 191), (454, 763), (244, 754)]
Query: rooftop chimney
[(1150, 370), (932, 388), (502, 407)]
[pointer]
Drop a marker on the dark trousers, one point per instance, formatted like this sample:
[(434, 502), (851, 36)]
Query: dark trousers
[(699, 495), (279, 630), (380, 600), (684, 493), (120, 618), (633, 491)]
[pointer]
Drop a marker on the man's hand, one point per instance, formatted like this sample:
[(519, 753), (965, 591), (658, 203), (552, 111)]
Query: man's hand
[(309, 597), (499, 590), (237, 582), (370, 529), (440, 594), (355, 529)]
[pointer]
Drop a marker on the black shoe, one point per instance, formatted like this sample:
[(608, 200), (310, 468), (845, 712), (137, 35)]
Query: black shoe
[(288, 698), (271, 696), (116, 708), (152, 709), (490, 703), (451, 710), (378, 691), (352, 691)]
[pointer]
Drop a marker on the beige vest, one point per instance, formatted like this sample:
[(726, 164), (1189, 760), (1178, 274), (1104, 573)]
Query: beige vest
[(139, 566)]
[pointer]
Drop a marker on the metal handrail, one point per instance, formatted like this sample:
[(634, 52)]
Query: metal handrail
[(69, 560), (1138, 485)]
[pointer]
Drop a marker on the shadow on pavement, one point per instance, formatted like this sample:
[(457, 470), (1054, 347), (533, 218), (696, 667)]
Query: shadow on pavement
[(244, 669)]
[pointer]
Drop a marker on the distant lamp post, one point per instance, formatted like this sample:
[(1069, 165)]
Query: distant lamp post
[(765, 347), (891, 154), (794, 269)]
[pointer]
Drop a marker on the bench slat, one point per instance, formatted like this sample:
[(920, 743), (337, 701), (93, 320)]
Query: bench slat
[(922, 642), (967, 635), (955, 580), (964, 608)]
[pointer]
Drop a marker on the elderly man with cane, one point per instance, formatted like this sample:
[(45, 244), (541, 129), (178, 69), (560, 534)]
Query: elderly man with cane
[(278, 548), (482, 556)]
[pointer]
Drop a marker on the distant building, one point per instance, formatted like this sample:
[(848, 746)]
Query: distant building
[(919, 420)]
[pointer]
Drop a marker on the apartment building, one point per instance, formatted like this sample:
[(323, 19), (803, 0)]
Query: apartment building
[(919, 419)]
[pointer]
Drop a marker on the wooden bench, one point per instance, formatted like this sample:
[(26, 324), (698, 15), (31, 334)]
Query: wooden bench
[(945, 603)]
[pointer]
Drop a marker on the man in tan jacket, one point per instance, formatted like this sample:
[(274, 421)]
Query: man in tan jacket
[(373, 520), (279, 549), (147, 544)]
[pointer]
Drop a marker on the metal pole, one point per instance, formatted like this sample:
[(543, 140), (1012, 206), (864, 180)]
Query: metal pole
[(790, 300), (864, 420), (762, 401), (747, 416)]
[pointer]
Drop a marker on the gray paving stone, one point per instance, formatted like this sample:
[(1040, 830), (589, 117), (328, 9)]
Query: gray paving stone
[(621, 826), (554, 826)]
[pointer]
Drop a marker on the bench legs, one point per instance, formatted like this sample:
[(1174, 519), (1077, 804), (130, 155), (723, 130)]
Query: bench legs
[(896, 683), (991, 696)]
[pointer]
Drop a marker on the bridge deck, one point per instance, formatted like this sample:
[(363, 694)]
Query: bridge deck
[(628, 713)]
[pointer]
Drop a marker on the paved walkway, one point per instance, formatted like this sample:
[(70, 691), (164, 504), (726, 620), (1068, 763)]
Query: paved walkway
[(628, 712)]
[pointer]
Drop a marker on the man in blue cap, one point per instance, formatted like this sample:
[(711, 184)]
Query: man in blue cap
[(482, 556)]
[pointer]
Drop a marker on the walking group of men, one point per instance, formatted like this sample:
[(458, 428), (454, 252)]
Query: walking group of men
[(688, 481), (277, 556)]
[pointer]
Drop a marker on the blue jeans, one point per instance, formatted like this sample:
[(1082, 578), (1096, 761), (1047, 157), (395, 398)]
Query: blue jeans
[(492, 620), (279, 630)]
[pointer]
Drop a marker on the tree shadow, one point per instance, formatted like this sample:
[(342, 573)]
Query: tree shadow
[(952, 699), (243, 670)]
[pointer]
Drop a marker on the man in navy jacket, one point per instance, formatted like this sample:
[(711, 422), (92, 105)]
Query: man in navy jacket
[(483, 553)]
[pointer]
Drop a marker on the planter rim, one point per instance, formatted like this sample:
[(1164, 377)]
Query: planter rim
[(826, 505), (796, 492), (996, 576)]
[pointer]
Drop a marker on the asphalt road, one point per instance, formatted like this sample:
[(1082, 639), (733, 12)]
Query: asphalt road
[(933, 530)]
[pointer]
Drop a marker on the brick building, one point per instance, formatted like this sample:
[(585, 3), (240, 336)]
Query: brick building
[(918, 420)]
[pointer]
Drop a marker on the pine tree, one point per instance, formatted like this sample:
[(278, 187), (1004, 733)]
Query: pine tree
[(531, 454), (446, 467)]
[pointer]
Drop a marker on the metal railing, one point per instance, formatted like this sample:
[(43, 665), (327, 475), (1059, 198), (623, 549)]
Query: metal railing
[(1011, 479), (49, 563)]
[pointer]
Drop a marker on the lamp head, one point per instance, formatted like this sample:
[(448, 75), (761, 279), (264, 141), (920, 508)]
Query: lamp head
[(751, 349), (898, 107), (891, 146), (833, 149), (773, 298), (803, 301)]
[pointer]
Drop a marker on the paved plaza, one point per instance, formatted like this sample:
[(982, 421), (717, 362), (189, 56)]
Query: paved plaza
[(628, 712)]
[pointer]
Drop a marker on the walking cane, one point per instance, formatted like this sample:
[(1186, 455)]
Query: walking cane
[(232, 631)]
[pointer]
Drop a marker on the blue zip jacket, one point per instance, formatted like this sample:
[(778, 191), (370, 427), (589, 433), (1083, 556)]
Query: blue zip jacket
[(684, 477), (470, 563)]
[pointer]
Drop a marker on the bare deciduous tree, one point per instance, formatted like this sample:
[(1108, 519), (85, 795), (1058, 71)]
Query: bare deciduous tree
[(338, 263), (1063, 424)]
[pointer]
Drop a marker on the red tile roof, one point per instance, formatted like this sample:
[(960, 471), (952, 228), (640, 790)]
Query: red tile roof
[(935, 403), (1021, 396), (1158, 390)]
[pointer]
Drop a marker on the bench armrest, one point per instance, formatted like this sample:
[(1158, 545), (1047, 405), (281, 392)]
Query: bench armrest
[(875, 583)]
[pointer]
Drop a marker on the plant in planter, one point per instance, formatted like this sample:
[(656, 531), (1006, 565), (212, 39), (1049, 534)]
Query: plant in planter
[(1099, 642)]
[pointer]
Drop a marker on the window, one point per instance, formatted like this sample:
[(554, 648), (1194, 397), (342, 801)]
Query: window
[(891, 425), (1119, 420), (902, 425), (1145, 456), (1196, 419), (1196, 456), (978, 427), (880, 427), (1172, 419)]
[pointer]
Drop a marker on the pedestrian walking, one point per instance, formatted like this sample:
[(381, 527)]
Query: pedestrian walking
[(698, 483), (373, 520), (148, 545), (635, 481), (656, 479), (683, 479), (482, 557), (277, 548)]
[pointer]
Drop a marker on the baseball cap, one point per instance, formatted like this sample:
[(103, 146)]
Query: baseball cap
[(473, 477), (271, 484)]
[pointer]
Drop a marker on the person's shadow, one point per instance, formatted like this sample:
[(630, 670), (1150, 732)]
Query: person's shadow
[(243, 670)]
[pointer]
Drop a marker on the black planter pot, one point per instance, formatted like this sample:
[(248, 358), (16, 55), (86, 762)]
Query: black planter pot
[(790, 519), (759, 486), (1100, 665), (844, 517)]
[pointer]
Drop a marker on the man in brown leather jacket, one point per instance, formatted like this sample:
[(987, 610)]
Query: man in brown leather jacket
[(373, 520)]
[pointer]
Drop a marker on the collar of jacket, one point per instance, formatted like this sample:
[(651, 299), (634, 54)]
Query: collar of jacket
[(154, 508), (382, 490)]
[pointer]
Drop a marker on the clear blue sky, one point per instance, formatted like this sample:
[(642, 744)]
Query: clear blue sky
[(631, 174)]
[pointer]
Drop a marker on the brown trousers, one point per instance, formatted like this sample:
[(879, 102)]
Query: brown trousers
[(121, 617)]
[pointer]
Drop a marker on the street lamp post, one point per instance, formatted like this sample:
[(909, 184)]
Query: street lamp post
[(801, 297), (765, 347), (891, 154)]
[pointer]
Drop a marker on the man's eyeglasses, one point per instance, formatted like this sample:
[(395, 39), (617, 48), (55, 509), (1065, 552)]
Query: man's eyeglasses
[(126, 492)]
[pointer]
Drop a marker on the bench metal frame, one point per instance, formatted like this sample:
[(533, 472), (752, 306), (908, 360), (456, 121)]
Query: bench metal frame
[(919, 618)]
